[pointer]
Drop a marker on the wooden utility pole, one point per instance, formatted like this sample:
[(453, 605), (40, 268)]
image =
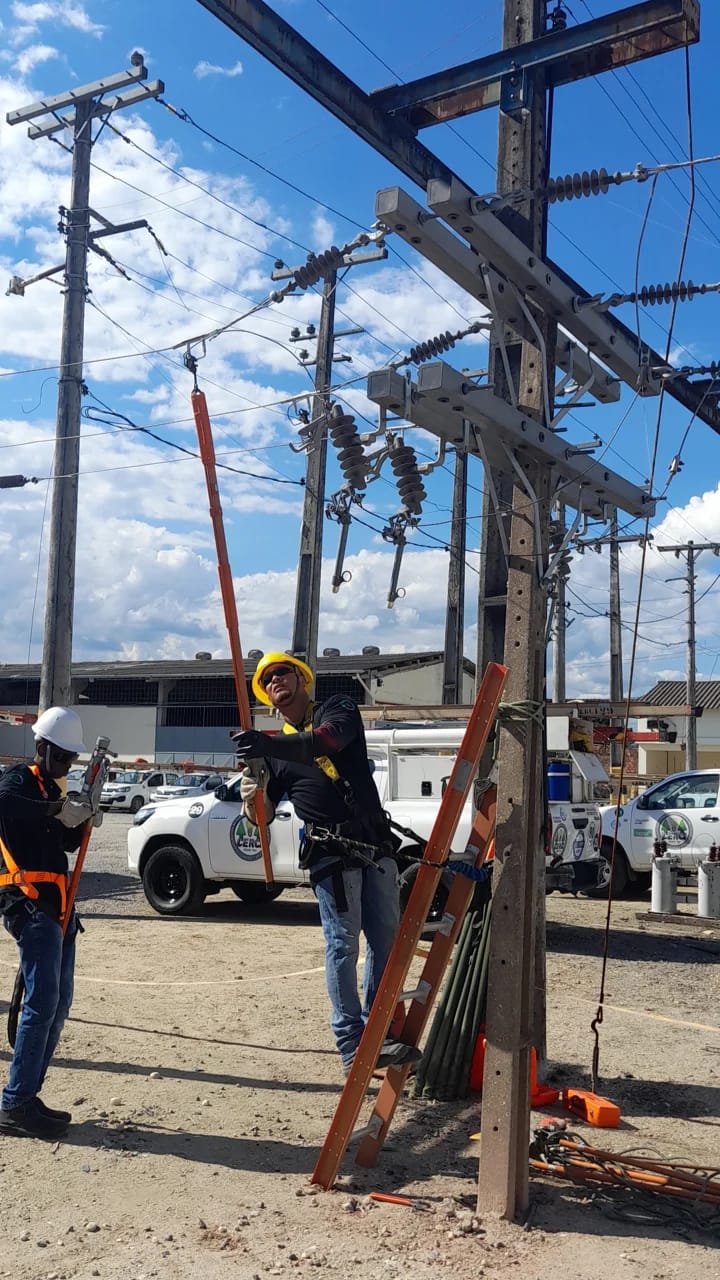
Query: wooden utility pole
[(455, 611), (516, 1004)]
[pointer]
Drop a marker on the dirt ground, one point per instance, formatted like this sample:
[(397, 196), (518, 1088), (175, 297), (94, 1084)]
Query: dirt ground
[(199, 1067)]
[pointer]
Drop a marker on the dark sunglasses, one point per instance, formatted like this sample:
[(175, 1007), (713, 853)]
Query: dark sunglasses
[(268, 676), (62, 757)]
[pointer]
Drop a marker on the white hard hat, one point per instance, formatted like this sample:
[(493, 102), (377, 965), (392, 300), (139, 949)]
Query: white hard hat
[(62, 727)]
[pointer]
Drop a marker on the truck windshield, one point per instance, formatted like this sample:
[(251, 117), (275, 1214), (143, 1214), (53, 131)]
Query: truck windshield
[(130, 775)]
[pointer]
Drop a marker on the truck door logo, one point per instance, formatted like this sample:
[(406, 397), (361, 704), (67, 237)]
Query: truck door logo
[(675, 830), (244, 841), (559, 841), (578, 845)]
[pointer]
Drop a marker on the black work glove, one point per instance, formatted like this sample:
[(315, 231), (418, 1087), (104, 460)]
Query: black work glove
[(253, 745)]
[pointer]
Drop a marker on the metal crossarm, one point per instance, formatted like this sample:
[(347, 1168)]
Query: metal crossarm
[(412, 926)]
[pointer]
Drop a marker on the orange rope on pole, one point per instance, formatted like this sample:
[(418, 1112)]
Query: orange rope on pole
[(207, 454)]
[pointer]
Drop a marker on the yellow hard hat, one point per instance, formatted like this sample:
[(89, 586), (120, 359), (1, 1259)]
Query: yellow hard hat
[(276, 660)]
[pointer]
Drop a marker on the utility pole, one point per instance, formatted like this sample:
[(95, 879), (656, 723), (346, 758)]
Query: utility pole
[(691, 550), (455, 613), (307, 592), (560, 615), (516, 978), (88, 102), (616, 670)]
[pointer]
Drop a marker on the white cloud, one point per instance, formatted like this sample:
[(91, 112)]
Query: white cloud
[(204, 69), (65, 12), (323, 231), (31, 57)]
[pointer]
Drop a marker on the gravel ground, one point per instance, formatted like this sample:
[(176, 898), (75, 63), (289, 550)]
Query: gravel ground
[(201, 1073)]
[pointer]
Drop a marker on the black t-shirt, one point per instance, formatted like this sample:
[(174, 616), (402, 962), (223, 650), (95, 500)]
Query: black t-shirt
[(35, 840), (339, 734)]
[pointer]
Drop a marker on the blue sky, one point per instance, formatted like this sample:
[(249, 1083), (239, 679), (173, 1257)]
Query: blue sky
[(146, 573)]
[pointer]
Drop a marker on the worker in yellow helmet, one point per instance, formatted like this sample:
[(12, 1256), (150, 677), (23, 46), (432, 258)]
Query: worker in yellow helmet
[(320, 762)]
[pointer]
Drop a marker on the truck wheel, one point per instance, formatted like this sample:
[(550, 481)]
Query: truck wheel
[(620, 875), (255, 893), (136, 804), (173, 882)]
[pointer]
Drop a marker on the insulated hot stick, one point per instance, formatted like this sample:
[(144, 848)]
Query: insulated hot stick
[(207, 454)]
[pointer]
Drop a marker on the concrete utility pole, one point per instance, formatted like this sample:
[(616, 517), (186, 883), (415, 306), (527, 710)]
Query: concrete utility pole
[(616, 670), (55, 677), (560, 617), (89, 102), (455, 611), (307, 593), (516, 979), (692, 550)]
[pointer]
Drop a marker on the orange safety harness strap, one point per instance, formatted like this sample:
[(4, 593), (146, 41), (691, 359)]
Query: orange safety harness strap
[(26, 880)]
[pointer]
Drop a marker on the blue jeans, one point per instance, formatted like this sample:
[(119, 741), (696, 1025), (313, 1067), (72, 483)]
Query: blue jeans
[(373, 908), (48, 966)]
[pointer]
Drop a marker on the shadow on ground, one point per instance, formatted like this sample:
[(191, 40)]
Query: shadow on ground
[(631, 944)]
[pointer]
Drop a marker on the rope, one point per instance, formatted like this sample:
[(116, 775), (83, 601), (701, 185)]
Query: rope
[(632, 1187)]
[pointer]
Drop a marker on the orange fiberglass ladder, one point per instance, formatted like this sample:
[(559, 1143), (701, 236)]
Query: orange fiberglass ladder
[(412, 926)]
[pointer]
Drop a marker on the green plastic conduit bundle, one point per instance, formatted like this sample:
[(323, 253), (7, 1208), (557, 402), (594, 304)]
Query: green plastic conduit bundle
[(444, 1072)]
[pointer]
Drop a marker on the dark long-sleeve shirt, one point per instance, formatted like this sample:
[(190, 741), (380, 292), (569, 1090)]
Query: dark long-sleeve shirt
[(35, 839), (338, 734)]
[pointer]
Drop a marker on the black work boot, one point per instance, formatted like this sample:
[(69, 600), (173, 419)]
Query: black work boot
[(52, 1113), (28, 1121), (396, 1054)]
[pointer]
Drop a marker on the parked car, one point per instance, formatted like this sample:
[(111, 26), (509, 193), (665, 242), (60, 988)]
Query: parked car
[(190, 784), (131, 788), (682, 810)]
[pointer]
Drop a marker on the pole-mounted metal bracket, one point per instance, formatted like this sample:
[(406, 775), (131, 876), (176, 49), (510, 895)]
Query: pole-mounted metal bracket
[(442, 400), (516, 92)]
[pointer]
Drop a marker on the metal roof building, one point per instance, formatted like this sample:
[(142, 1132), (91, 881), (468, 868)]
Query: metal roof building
[(169, 710)]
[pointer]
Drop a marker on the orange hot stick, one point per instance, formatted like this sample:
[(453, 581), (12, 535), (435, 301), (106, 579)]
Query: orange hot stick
[(207, 454)]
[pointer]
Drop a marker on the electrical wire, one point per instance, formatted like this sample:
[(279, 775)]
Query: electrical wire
[(263, 226), (598, 1019), (118, 419)]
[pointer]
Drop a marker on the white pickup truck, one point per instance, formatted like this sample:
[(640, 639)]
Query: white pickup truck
[(682, 810), (130, 789), (184, 850)]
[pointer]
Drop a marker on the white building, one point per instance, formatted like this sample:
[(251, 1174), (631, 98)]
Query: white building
[(658, 759)]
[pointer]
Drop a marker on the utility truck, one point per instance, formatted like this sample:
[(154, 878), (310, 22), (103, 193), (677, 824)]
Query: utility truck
[(682, 811), (185, 849)]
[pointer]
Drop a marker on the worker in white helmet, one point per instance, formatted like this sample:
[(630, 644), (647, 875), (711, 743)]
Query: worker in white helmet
[(38, 828)]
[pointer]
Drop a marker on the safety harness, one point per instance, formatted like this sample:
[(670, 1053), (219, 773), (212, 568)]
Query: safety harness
[(335, 833), (27, 880)]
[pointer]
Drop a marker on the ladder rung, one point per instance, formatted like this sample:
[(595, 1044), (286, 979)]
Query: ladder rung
[(370, 1130), (422, 953), (420, 993), (439, 926)]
